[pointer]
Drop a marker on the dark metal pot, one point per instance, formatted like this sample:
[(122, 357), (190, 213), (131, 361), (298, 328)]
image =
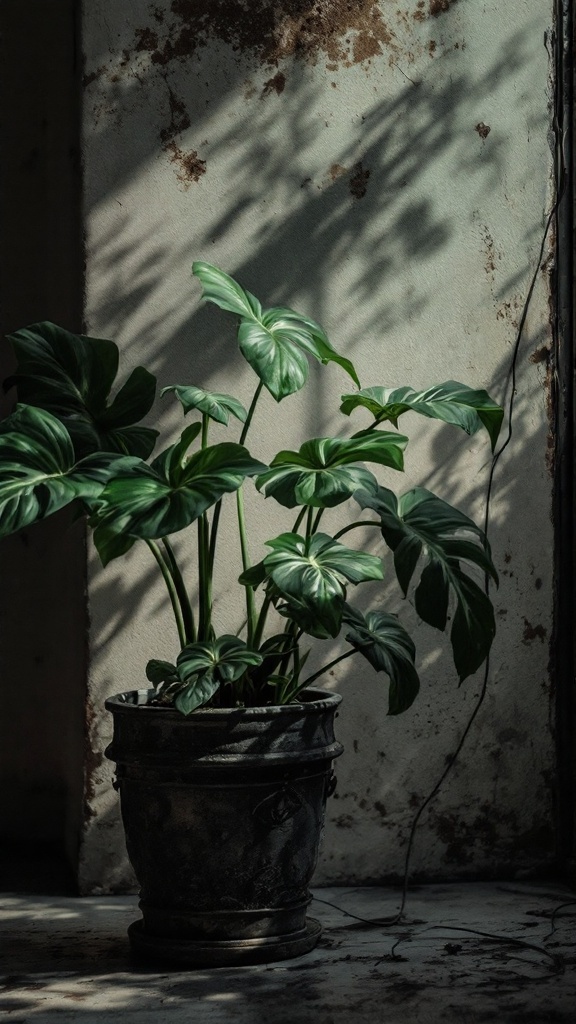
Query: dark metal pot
[(223, 813)]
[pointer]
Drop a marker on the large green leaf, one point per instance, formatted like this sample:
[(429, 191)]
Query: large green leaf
[(215, 405), (451, 402), (276, 342), (226, 658), (71, 376), (325, 472), (384, 642), (202, 667), (39, 473), (310, 576), (154, 501), (420, 522)]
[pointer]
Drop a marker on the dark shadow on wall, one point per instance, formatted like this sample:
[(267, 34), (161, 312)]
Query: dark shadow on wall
[(43, 619)]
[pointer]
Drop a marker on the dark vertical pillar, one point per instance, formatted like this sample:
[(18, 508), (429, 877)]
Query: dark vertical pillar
[(43, 613), (563, 652)]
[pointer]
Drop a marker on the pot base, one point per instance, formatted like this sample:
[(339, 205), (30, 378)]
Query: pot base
[(234, 953)]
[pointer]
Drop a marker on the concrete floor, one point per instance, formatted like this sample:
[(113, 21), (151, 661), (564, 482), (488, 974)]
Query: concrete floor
[(67, 960)]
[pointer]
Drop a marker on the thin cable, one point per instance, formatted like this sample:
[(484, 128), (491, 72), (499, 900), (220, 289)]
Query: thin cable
[(507, 940), (555, 912)]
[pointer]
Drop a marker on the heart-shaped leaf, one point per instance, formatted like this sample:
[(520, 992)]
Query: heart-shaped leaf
[(451, 402), (154, 501), (215, 405), (420, 522), (384, 642), (39, 473), (276, 342), (325, 472), (71, 376), (202, 667), (226, 658), (311, 576), (159, 672), (199, 691)]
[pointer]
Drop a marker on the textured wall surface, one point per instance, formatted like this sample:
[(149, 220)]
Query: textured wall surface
[(385, 168)]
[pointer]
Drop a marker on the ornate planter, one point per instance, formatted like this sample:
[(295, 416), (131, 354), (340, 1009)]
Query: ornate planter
[(223, 813)]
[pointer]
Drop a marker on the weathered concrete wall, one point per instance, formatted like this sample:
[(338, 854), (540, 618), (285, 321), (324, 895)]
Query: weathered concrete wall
[(385, 168)]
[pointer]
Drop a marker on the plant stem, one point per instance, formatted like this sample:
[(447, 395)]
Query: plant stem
[(250, 601), (321, 671), (309, 518), (185, 605), (214, 535), (171, 587), (204, 587), (258, 631), (248, 421), (299, 519), (319, 515), (352, 526)]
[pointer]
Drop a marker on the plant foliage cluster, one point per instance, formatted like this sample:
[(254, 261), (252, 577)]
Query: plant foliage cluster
[(69, 441)]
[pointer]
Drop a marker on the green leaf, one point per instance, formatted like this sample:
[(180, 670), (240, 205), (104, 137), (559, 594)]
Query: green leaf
[(155, 501), (71, 376), (276, 342), (253, 576), (195, 694), (224, 291), (311, 575), (421, 523), (161, 672), (451, 402), (215, 405), (38, 470), (325, 472), (202, 667), (384, 642), (108, 544), (225, 659)]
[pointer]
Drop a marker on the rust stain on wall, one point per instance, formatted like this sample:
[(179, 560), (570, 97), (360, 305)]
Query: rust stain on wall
[(343, 31), (93, 759), (191, 166), (483, 129), (438, 7), (533, 632), (276, 84)]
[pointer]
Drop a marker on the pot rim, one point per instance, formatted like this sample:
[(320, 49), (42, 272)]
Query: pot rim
[(121, 702)]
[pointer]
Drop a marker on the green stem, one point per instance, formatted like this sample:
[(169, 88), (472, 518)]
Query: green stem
[(250, 599), (253, 404), (353, 526), (377, 421), (204, 587), (319, 515), (299, 519), (309, 519), (326, 668), (214, 535), (185, 605), (259, 630), (205, 424), (171, 587)]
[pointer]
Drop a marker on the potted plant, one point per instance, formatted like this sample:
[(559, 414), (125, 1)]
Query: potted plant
[(225, 761)]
